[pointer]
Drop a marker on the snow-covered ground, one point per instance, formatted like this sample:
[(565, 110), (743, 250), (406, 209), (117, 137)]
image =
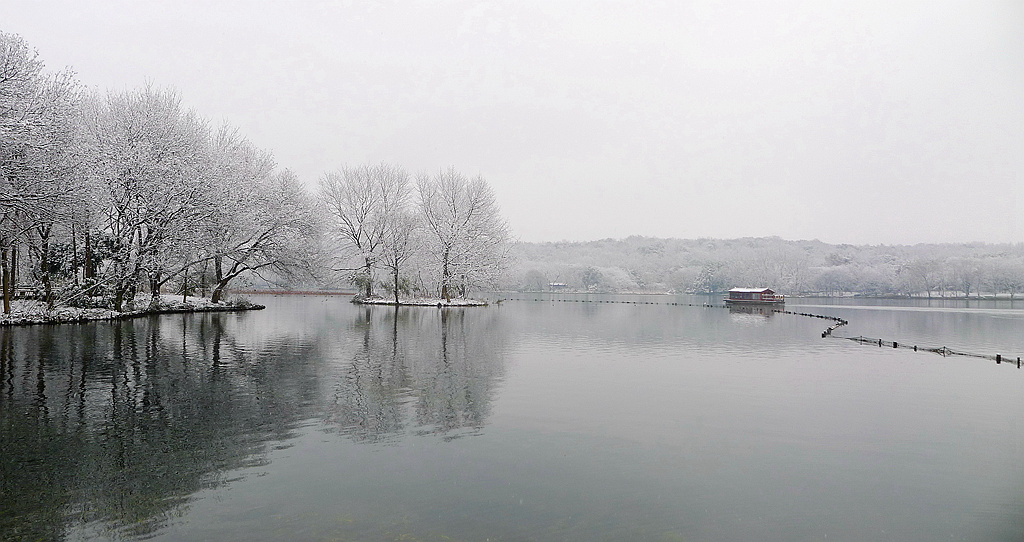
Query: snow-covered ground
[(35, 312)]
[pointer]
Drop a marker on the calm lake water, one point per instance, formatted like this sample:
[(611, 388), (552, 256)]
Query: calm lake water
[(565, 418)]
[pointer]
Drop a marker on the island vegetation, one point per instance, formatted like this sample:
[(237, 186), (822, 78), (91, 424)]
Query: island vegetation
[(434, 242)]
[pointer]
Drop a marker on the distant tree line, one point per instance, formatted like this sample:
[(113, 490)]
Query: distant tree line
[(107, 195), (438, 235), (792, 267)]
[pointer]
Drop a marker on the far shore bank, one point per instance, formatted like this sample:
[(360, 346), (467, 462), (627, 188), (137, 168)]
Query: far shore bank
[(419, 302), (291, 292), (933, 297)]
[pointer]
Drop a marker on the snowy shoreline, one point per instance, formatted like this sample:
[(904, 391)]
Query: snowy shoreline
[(25, 313)]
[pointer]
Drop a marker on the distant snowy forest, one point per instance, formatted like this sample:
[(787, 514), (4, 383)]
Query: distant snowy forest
[(644, 264)]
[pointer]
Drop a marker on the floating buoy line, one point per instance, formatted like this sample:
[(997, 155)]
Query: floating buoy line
[(827, 333)]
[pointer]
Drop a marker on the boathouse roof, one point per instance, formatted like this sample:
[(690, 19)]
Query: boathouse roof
[(753, 290)]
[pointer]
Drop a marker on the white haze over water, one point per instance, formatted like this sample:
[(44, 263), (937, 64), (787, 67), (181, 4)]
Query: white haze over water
[(855, 122)]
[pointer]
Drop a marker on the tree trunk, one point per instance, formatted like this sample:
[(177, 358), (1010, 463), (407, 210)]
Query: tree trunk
[(218, 272), (218, 291), (445, 279), (124, 291), (154, 286), (396, 285), (118, 298), (90, 272), (5, 279), (203, 285), (74, 253), (44, 264), (14, 265), (369, 278)]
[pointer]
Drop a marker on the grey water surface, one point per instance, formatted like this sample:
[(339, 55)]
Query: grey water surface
[(546, 417)]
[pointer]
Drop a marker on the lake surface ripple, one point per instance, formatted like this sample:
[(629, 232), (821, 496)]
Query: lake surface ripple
[(544, 418)]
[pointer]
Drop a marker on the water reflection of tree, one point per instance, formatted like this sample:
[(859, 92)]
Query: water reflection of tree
[(112, 427), (369, 393), (116, 425), (457, 381), (434, 370)]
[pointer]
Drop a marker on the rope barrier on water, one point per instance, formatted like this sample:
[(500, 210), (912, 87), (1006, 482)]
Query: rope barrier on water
[(941, 350), (839, 322)]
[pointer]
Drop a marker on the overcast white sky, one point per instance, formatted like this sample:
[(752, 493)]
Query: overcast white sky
[(856, 122)]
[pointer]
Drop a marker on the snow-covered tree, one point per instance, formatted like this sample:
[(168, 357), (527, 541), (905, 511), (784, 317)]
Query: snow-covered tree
[(272, 227), (401, 245), (155, 186), (40, 155), (360, 201), (465, 236), (137, 185)]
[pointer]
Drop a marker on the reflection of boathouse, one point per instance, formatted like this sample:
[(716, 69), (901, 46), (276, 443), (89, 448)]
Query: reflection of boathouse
[(766, 310), (754, 296)]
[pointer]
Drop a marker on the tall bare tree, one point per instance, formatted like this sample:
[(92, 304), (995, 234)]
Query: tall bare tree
[(466, 237), (360, 201), (400, 246)]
